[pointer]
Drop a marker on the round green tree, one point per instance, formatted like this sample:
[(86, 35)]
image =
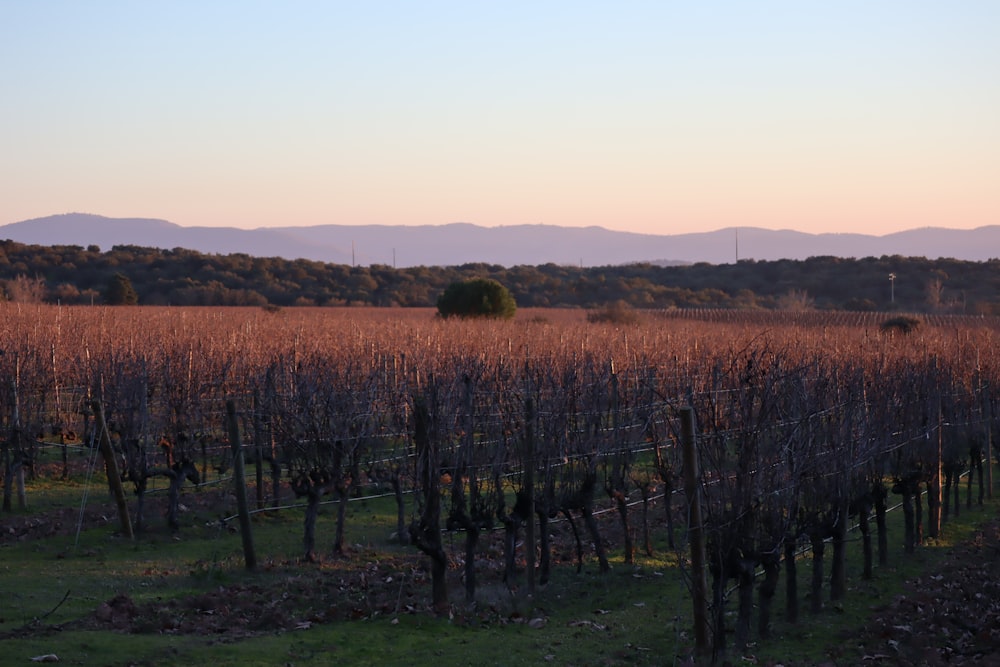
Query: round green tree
[(120, 291), (479, 297)]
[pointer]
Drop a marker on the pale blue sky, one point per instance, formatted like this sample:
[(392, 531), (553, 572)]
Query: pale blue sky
[(658, 117)]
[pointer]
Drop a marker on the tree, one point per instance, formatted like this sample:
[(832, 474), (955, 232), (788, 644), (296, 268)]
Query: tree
[(478, 297), (23, 289), (796, 300), (66, 293), (935, 294), (120, 291)]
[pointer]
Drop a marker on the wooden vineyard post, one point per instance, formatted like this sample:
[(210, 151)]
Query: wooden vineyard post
[(111, 466), (988, 413), (425, 533), (934, 499), (258, 446), (17, 470), (529, 486), (246, 528), (699, 580)]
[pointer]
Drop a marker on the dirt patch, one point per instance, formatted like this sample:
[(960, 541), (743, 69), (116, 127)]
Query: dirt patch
[(53, 523), (297, 595)]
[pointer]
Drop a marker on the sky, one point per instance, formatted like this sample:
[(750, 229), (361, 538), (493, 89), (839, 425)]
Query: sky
[(657, 117)]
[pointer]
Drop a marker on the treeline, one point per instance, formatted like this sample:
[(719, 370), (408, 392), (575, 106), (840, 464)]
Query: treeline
[(78, 275)]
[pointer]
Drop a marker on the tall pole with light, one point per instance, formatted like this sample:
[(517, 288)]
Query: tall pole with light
[(892, 288)]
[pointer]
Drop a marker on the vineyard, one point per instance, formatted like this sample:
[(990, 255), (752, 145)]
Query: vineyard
[(742, 446)]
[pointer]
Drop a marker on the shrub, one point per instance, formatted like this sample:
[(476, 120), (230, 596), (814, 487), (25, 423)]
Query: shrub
[(903, 324), (479, 297), (619, 312)]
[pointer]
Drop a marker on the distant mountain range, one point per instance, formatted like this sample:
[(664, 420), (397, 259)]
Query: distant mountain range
[(462, 243)]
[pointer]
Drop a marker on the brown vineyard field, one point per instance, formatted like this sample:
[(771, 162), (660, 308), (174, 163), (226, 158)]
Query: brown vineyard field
[(425, 491)]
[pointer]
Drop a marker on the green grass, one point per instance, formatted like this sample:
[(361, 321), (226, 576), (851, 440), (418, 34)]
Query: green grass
[(636, 615)]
